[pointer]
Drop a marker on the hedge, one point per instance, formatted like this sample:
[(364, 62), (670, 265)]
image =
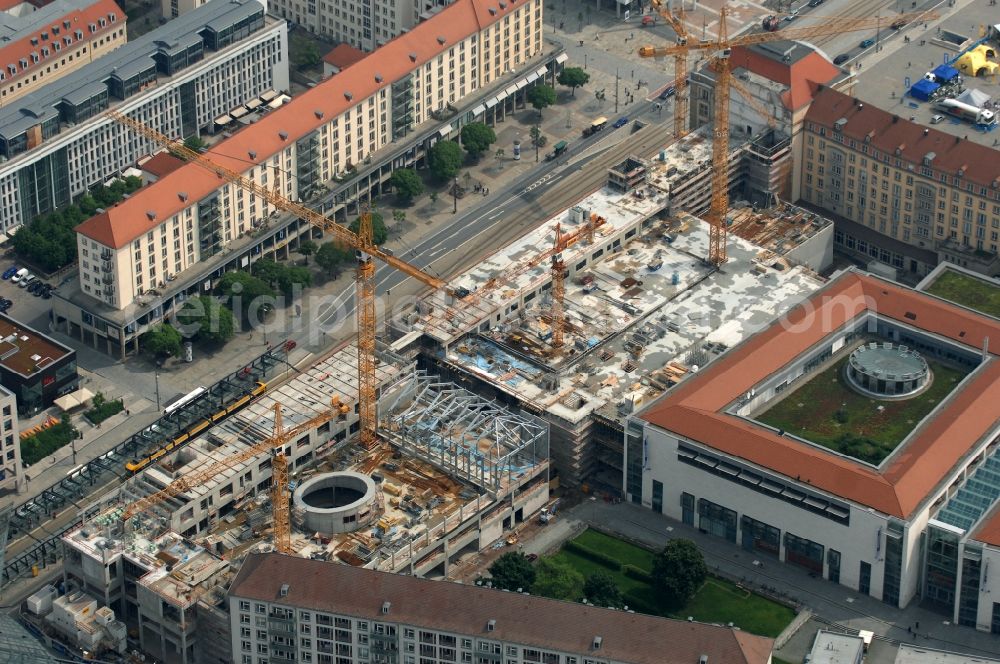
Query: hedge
[(104, 410), (636, 602), (637, 573), (45, 442), (598, 557)]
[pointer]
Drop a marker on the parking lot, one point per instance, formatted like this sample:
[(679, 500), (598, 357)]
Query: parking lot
[(25, 307)]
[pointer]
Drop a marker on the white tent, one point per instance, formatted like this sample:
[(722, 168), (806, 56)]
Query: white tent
[(974, 97), (68, 402)]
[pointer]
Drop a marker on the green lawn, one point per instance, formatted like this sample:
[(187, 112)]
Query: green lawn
[(718, 601), (828, 412), (968, 291)]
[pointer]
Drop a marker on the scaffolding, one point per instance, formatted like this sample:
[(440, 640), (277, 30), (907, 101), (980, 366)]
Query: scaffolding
[(463, 434)]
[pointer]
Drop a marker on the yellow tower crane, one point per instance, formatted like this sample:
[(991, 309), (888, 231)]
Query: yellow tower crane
[(721, 47), (676, 21)]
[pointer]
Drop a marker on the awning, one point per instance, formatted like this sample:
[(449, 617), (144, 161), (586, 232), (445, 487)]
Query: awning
[(490, 103), (542, 71), (479, 109), (561, 58), (445, 130), (533, 76), (275, 103), (73, 400), (511, 89), (522, 83), (238, 113), (223, 120), (268, 96), (253, 104)]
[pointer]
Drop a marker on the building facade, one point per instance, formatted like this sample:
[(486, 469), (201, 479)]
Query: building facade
[(902, 195), (888, 528), (171, 9), (55, 40), (10, 441), (34, 367), (290, 609), (364, 24), (57, 144), (173, 230)]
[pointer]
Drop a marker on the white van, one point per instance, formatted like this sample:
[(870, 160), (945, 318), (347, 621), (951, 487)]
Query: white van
[(20, 274)]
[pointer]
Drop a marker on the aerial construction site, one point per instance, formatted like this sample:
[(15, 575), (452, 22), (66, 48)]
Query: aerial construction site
[(483, 408)]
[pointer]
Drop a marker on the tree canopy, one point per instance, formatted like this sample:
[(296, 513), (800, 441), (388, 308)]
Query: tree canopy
[(406, 183), (194, 142), (445, 158), (281, 276), (161, 341), (330, 257), (207, 320), (512, 571), (251, 295), (477, 137), (557, 579), (379, 231), (572, 78), (308, 248), (678, 572), (541, 96), (600, 589)]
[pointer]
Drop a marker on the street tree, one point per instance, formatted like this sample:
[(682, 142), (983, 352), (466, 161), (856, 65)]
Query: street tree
[(600, 589), (557, 579), (379, 231), (512, 571), (406, 183), (244, 292), (477, 137), (331, 258), (678, 572), (541, 96), (307, 248), (399, 216), (161, 341), (206, 319), (445, 158), (573, 78), (194, 142)]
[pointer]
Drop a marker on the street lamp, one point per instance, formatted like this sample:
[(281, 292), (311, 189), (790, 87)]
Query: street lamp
[(454, 193), (538, 135)]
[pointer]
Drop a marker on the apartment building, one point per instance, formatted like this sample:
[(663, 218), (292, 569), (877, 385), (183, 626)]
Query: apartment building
[(364, 24), (56, 143), (290, 609), (56, 39), (903, 196), (10, 435), (130, 253)]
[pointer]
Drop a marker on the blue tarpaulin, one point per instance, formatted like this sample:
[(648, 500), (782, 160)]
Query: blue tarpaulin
[(945, 73), (923, 89)]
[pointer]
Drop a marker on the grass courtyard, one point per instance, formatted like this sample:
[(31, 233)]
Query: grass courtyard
[(718, 601), (968, 291), (827, 411)]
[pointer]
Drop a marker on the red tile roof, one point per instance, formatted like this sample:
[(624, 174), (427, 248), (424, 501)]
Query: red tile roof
[(303, 114), (888, 133), (467, 609), (798, 76), (162, 164), (343, 56), (989, 531), (694, 409), (80, 19)]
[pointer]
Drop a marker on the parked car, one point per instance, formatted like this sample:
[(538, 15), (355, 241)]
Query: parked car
[(867, 43), (26, 280), (47, 292), (792, 16), (896, 25), (20, 274), (620, 122), (668, 93), (841, 59), (34, 286), (10, 272), (5, 304), (935, 119), (815, 3)]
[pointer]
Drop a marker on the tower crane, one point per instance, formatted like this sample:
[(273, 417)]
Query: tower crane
[(274, 446), (362, 243), (558, 290), (676, 21), (721, 47)]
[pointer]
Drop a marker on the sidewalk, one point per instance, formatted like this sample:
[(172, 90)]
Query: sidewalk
[(829, 602)]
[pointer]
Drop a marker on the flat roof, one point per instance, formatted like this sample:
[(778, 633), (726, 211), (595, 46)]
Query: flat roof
[(504, 616), (696, 408), (23, 113), (911, 654), (836, 648), (24, 350)]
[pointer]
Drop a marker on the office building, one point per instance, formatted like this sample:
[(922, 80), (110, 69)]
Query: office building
[(56, 142), (34, 366), (134, 251), (290, 609), (10, 441), (171, 9), (730, 452), (903, 196), (42, 46), (364, 24)]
